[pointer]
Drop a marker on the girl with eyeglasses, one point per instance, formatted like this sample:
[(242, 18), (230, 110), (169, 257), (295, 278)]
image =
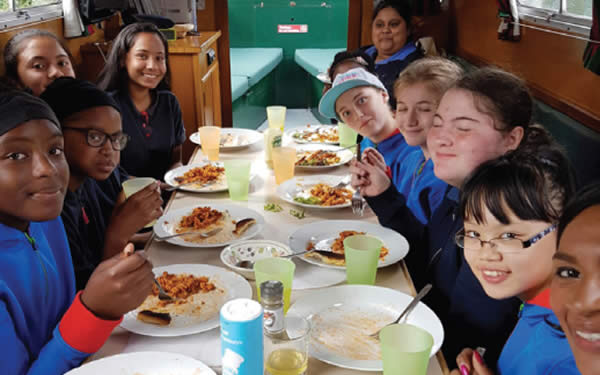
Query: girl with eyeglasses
[(137, 77), (511, 206), (575, 286), (485, 114), (97, 218)]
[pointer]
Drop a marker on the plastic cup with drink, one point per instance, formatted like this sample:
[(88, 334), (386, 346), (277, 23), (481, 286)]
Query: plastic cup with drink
[(276, 269), (276, 116), (362, 257), (133, 185), (210, 140), (405, 349), (237, 173), (284, 163)]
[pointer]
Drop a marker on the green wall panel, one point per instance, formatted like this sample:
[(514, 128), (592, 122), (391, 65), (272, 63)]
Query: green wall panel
[(251, 25)]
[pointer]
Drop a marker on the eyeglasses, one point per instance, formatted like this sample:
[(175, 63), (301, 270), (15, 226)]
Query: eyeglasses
[(97, 138), (502, 244)]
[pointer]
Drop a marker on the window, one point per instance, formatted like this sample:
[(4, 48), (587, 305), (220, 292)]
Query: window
[(570, 15), (18, 12)]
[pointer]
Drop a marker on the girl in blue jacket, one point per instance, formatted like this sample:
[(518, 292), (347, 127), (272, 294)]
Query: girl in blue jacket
[(418, 90), (511, 206), (575, 287), (46, 327), (486, 114)]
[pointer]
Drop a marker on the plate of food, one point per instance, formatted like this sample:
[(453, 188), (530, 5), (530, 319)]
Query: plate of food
[(198, 291), (233, 139), (315, 157), (324, 134), (320, 191), (144, 363), (329, 236), (205, 177), (236, 223), (343, 317)]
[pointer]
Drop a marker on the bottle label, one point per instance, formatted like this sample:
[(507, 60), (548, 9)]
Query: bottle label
[(276, 142), (273, 320)]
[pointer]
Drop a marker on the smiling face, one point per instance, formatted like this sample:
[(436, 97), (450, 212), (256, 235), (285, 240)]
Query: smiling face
[(87, 161), (145, 62), (389, 32), (33, 173), (505, 274), (40, 61), (415, 109), (462, 137), (575, 291), (365, 110)]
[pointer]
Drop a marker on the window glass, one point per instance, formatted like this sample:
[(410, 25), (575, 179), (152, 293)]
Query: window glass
[(22, 4), (546, 4), (580, 7)]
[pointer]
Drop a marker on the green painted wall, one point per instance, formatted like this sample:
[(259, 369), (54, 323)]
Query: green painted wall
[(251, 25)]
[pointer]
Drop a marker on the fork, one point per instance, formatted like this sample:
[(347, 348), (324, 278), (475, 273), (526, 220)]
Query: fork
[(358, 203), (201, 234), (162, 295)]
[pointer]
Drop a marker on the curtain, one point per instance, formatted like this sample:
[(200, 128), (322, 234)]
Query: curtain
[(509, 20), (591, 56)]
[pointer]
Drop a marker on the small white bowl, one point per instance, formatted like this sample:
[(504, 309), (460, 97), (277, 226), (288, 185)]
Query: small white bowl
[(251, 250)]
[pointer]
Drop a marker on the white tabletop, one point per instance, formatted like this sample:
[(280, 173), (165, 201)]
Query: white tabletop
[(278, 227)]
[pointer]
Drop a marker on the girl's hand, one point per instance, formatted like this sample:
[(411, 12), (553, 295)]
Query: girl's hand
[(118, 285), (374, 158), (470, 363), (371, 180)]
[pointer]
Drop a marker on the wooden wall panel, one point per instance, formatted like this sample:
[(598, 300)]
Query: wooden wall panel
[(551, 64)]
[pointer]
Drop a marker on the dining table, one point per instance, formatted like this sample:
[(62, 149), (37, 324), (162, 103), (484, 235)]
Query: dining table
[(278, 226)]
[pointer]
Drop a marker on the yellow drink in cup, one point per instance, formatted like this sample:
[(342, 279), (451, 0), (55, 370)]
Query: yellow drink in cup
[(288, 354), (133, 185), (284, 163), (210, 140), (276, 116), (279, 269)]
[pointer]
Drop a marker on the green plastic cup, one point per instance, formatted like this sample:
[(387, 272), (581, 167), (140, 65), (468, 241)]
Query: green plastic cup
[(347, 135), (275, 269), (237, 173), (362, 256), (276, 116), (405, 349)]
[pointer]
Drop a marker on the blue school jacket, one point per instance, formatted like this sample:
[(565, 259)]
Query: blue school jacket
[(414, 178), (470, 318), (537, 345), (44, 327)]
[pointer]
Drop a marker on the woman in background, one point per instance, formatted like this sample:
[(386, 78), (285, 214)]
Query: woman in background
[(137, 76)]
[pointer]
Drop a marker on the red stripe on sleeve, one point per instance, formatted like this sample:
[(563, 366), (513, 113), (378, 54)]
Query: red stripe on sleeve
[(84, 331), (388, 172), (542, 299)]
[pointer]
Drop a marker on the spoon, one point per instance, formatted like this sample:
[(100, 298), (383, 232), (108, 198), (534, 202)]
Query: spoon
[(201, 234), (408, 308)]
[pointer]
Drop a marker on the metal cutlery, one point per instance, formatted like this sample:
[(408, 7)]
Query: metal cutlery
[(201, 234), (358, 203), (162, 295), (178, 186)]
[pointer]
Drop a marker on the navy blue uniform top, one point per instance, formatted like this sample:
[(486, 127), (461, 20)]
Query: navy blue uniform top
[(153, 133), (470, 318), (86, 214), (387, 70)]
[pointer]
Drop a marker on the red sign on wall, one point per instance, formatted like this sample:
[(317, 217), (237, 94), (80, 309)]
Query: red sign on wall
[(292, 29)]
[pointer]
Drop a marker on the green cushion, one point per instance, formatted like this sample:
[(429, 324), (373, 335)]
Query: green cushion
[(254, 63), (239, 86), (315, 60)]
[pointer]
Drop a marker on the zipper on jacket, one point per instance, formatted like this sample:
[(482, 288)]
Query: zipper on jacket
[(31, 240)]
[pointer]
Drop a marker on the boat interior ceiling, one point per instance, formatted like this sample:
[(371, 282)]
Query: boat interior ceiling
[(270, 52)]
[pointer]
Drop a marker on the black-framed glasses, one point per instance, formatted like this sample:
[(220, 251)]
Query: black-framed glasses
[(97, 138), (502, 244)]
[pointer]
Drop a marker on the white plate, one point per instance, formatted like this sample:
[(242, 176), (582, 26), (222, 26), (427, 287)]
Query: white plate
[(344, 155), (332, 312), (165, 225), (242, 138), (251, 250), (234, 285), (219, 185), (147, 363), (327, 231), (312, 128), (290, 189)]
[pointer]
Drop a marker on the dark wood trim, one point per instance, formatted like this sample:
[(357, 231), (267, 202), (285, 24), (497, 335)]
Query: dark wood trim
[(354, 24), (550, 98), (222, 24)]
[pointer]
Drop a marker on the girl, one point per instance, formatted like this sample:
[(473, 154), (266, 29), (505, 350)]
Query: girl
[(511, 206), (34, 58), (359, 99), (575, 288), (486, 114), (46, 327), (418, 90), (137, 75), (97, 222)]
